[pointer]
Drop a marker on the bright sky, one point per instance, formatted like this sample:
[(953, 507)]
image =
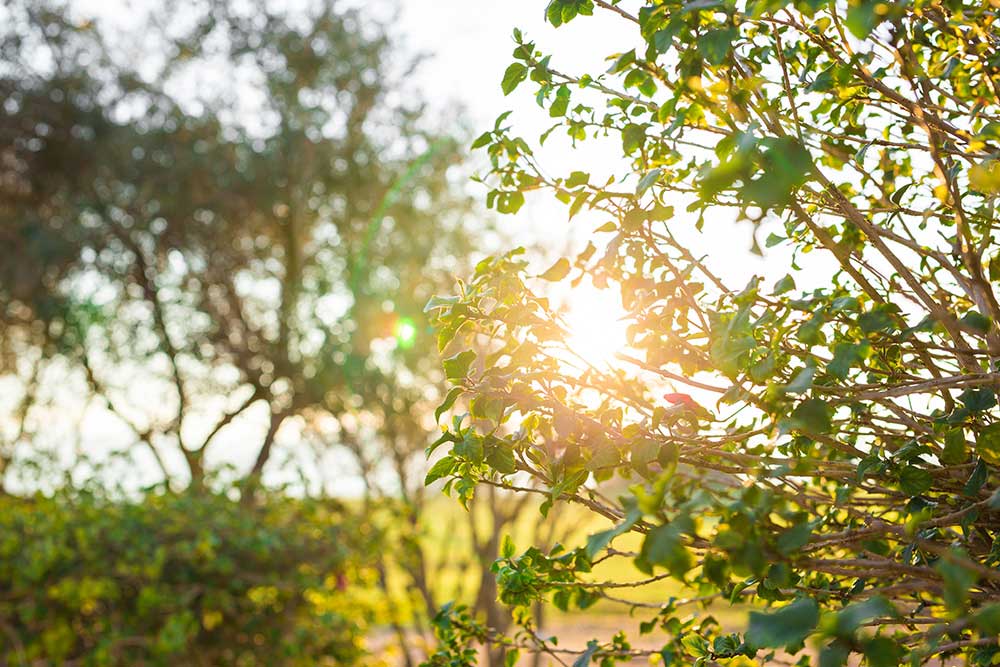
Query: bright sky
[(469, 43)]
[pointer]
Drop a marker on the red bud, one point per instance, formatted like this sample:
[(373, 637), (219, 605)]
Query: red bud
[(680, 398)]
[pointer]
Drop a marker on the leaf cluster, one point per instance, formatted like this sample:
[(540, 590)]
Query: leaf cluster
[(823, 447)]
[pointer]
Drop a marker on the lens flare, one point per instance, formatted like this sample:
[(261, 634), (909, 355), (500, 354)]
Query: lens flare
[(405, 332)]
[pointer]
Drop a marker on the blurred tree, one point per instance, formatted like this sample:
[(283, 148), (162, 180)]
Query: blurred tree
[(227, 222), (242, 213)]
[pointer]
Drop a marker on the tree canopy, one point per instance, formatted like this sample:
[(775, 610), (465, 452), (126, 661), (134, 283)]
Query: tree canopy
[(245, 220), (822, 449)]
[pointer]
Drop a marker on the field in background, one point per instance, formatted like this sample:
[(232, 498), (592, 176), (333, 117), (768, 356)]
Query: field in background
[(447, 542)]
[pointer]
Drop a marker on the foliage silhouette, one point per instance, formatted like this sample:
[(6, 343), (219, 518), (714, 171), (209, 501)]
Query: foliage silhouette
[(824, 453)]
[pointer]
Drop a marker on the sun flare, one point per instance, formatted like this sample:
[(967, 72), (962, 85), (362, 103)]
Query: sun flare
[(594, 320)]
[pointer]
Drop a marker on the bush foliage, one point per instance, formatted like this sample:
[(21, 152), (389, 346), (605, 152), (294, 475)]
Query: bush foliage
[(176, 580), (823, 448)]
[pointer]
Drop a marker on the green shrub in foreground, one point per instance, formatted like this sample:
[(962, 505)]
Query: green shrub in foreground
[(174, 580)]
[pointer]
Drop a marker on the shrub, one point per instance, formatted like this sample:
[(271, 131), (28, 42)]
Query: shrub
[(175, 580), (823, 448)]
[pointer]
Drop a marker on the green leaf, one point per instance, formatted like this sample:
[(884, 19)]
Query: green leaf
[(507, 548), (446, 436), (794, 538), (773, 240), (811, 332), (802, 381), (731, 343), (437, 302), (501, 458), (883, 652), (994, 502), (599, 541), (482, 140), (786, 284), (661, 213), (644, 451), (509, 202), (622, 62), (663, 546), (578, 203), (811, 416), (875, 320), (978, 400), (442, 468), (987, 619), (867, 464), (958, 579), (845, 356), (988, 443), (788, 626), (955, 449), (576, 179), (845, 303), (553, 13), (557, 271), (561, 103), (647, 181), (457, 367), (823, 82), (977, 321), (514, 75), (859, 157), (663, 40), (449, 401), (862, 18), (786, 165), (470, 448), (915, 481), (500, 119), (834, 654), (633, 137), (976, 480), (738, 589), (715, 45), (853, 615), (695, 645)]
